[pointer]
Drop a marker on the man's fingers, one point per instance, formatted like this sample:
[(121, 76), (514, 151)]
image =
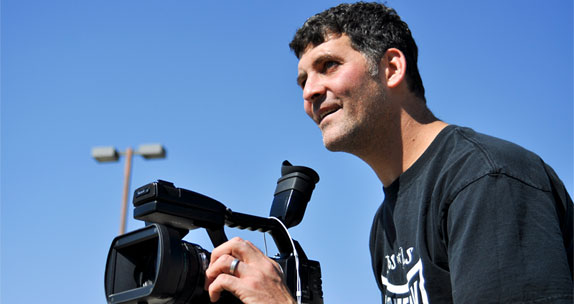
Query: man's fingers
[(222, 266), (221, 283), (244, 250), (242, 269)]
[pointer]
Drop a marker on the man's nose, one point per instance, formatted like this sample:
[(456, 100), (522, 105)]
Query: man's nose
[(314, 89)]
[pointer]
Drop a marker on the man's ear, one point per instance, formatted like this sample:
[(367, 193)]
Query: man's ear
[(394, 65)]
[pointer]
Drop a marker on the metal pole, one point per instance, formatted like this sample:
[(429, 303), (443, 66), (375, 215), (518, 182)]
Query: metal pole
[(127, 174)]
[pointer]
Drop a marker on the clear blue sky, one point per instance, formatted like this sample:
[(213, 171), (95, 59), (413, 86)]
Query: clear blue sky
[(215, 83)]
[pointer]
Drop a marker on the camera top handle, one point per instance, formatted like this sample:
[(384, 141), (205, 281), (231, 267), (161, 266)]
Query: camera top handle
[(187, 210), (161, 202), (271, 226)]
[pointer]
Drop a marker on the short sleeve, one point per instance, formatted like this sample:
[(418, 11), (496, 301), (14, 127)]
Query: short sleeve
[(505, 244)]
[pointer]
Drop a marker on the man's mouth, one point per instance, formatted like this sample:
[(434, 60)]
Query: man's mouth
[(326, 113)]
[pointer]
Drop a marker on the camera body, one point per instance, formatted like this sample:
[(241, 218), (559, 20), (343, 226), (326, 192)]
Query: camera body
[(153, 265)]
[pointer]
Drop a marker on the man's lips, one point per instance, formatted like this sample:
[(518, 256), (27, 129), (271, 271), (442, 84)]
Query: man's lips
[(326, 111)]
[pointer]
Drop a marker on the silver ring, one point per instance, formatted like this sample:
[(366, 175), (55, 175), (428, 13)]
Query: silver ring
[(233, 266)]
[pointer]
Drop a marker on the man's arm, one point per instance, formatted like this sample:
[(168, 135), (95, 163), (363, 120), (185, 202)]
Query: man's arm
[(256, 278)]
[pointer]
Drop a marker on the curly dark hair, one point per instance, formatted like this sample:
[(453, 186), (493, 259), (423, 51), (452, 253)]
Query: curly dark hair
[(372, 27)]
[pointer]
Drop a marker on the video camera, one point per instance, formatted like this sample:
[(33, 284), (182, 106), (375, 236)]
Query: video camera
[(153, 265)]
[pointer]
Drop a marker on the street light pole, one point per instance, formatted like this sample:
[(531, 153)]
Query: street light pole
[(111, 154), (127, 175)]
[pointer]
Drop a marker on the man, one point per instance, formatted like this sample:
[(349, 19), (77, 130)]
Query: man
[(467, 218)]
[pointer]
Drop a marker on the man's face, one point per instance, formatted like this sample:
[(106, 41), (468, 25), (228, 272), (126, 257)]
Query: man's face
[(339, 93)]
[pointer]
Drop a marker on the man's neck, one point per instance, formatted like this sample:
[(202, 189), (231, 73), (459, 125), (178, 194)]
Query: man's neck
[(403, 146), (416, 139)]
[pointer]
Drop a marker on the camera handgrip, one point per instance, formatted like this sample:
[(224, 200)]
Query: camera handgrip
[(262, 224)]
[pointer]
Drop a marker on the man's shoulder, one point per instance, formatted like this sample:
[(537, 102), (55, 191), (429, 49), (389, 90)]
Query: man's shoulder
[(469, 155)]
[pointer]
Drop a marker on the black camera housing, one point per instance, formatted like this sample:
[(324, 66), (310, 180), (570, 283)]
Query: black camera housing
[(153, 265)]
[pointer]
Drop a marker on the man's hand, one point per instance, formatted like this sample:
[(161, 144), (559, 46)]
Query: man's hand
[(255, 279)]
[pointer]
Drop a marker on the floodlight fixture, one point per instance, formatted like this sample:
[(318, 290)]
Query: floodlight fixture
[(151, 151), (105, 154)]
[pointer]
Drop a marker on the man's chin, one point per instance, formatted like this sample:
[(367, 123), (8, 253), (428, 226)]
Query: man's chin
[(334, 144), (333, 149), (343, 140)]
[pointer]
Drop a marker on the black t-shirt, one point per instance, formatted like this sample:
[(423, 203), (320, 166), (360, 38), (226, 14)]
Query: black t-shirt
[(474, 220)]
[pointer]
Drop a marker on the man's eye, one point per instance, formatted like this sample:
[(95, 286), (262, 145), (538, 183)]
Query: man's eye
[(330, 65)]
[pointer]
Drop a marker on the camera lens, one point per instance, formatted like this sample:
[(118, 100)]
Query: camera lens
[(153, 265), (144, 272), (195, 262)]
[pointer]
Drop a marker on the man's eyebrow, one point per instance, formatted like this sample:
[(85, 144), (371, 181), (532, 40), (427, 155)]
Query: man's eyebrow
[(324, 57)]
